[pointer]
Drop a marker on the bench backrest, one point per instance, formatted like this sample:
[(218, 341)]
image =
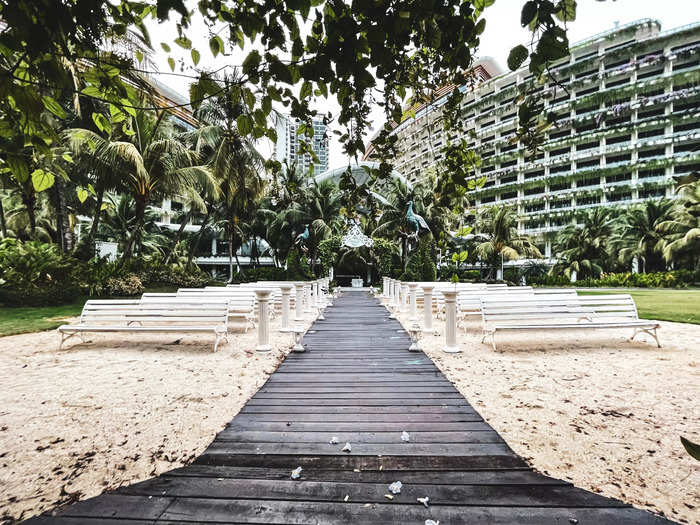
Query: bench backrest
[(158, 311), (557, 308)]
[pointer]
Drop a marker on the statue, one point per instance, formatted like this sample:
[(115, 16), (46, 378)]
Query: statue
[(415, 220), (302, 238)]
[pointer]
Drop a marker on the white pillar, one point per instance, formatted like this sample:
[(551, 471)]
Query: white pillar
[(286, 292), (317, 293), (299, 302), (390, 288), (450, 322), (384, 279), (412, 300), (397, 294), (404, 297), (263, 295), (213, 247), (307, 298), (427, 308)]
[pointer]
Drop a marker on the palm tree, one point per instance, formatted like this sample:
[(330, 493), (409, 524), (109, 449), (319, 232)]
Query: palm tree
[(318, 207), (234, 162), (92, 162), (154, 163), (637, 234), (682, 232), (119, 222), (582, 248), (500, 226), (392, 222)]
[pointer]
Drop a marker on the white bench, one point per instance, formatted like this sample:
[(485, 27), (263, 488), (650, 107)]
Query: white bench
[(241, 308), (560, 311), (136, 316)]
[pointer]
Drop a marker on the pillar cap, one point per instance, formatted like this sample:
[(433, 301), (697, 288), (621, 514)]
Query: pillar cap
[(449, 294), (286, 287), (428, 287), (263, 293)]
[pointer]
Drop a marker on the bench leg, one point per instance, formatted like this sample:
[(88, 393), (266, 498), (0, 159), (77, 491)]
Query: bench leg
[(65, 337), (651, 331), (219, 337)]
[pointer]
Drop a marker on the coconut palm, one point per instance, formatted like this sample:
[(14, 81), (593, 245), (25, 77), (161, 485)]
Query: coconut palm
[(392, 223), (503, 242), (637, 235), (154, 163), (582, 248), (682, 232), (119, 223), (234, 162)]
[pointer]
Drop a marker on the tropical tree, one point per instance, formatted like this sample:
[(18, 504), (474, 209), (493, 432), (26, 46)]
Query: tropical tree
[(121, 219), (392, 222), (582, 247), (636, 233), (503, 242), (154, 163), (681, 233)]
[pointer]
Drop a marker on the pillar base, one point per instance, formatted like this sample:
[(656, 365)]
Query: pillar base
[(451, 349), (263, 348), (429, 331), (415, 347), (285, 329)]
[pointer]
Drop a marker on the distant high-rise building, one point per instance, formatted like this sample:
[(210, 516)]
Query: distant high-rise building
[(627, 129), (288, 144)]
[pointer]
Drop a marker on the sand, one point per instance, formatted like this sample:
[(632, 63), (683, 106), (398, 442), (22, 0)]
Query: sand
[(116, 410), (590, 407)]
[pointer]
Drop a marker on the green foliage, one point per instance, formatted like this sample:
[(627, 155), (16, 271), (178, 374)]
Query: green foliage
[(692, 448), (297, 267), (260, 274), (328, 250), (421, 263), (384, 252), (673, 279), (33, 273)]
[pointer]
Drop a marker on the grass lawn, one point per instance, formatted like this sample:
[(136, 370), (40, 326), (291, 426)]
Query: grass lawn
[(681, 306), (37, 318)]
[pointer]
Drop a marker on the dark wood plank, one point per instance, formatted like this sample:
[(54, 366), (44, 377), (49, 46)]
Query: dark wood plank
[(256, 436), (359, 383)]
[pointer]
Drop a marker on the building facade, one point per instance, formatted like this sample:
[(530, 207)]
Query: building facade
[(628, 108), (288, 143)]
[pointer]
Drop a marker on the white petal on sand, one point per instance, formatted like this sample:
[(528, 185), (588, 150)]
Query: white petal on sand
[(126, 407), (590, 407)]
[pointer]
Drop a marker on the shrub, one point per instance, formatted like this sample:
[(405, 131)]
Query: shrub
[(35, 273), (124, 286), (297, 267), (421, 264), (265, 273), (328, 254)]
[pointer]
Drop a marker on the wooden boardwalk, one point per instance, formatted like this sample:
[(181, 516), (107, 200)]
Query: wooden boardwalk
[(358, 383)]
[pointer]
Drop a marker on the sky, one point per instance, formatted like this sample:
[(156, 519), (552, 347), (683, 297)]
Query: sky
[(502, 32)]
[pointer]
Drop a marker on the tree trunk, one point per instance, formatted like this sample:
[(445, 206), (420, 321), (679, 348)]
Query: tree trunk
[(229, 242), (29, 201), (3, 224), (140, 213), (178, 237), (198, 237), (62, 223), (92, 234)]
